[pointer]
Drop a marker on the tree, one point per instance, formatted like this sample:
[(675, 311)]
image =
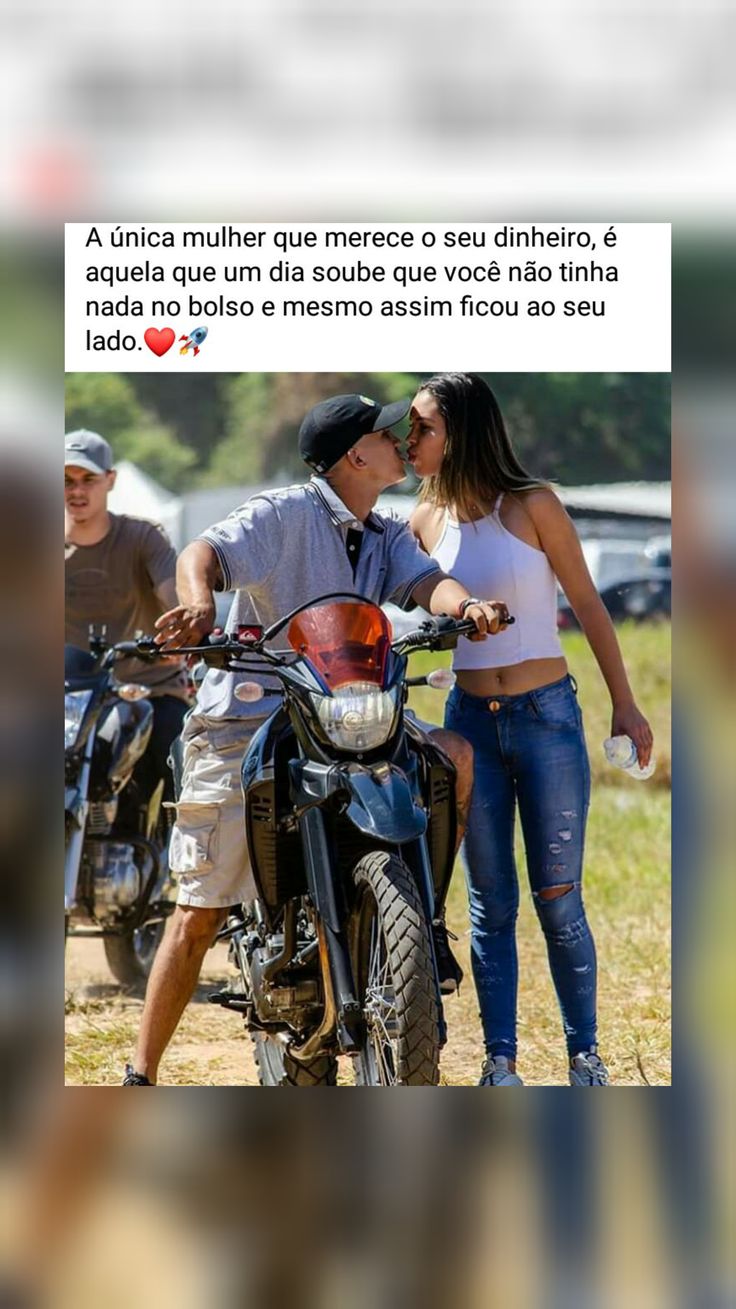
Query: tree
[(103, 402)]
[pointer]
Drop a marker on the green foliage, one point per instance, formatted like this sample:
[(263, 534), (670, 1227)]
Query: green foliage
[(108, 403), (588, 427), (242, 428), (192, 404), (156, 450), (104, 403)]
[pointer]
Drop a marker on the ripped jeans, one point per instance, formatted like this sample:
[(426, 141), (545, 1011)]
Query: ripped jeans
[(529, 749)]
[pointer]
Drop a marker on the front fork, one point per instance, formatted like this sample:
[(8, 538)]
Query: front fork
[(318, 862), (422, 869), (77, 815)]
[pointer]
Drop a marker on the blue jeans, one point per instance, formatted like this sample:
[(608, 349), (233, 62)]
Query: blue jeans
[(529, 749)]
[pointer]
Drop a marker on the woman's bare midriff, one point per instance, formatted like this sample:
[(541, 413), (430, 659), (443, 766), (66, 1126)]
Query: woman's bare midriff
[(514, 679)]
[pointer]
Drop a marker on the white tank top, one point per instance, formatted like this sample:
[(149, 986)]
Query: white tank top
[(496, 565)]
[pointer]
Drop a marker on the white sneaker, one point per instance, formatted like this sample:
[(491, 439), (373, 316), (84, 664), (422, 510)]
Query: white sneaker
[(496, 1072), (587, 1069)]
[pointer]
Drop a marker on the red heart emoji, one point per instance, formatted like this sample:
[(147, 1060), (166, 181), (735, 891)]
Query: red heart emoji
[(157, 341)]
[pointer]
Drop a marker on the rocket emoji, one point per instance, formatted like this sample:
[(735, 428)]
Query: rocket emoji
[(194, 339)]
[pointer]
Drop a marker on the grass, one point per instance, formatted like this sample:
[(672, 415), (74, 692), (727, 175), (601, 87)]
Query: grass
[(647, 655), (627, 893), (628, 904)]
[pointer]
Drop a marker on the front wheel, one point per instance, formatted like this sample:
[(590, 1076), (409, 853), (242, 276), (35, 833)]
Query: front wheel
[(394, 975), (131, 954)]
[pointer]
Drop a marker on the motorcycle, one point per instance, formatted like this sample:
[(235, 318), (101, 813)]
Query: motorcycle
[(116, 879), (350, 821)]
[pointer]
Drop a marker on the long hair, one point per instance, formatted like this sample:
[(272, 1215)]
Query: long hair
[(479, 460)]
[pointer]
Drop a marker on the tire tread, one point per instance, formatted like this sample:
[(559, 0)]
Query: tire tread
[(406, 934)]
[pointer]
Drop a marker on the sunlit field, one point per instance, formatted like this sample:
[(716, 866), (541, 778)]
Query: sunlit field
[(627, 894), (626, 886)]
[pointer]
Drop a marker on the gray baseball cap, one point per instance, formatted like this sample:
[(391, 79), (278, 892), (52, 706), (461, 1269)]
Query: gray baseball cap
[(87, 450)]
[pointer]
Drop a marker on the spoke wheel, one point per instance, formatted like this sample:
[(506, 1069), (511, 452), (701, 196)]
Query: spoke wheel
[(277, 1068), (392, 960), (131, 955)]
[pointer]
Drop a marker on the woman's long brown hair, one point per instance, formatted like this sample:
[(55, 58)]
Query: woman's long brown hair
[(479, 461)]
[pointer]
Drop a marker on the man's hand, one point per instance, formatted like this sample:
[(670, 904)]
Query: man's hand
[(489, 616), (184, 625), (197, 576), (441, 594)]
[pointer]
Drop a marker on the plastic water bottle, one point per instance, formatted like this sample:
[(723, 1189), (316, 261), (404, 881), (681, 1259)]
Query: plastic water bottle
[(621, 752)]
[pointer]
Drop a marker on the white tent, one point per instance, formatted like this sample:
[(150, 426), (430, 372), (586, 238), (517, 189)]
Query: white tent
[(137, 494)]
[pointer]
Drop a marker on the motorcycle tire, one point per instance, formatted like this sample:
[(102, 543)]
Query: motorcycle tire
[(394, 975), (131, 955), (277, 1068)]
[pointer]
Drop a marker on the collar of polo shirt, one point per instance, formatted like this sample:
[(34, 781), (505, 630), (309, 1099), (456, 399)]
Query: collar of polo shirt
[(339, 511)]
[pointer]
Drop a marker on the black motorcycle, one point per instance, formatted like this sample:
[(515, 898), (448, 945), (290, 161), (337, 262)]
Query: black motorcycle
[(116, 880), (350, 821)]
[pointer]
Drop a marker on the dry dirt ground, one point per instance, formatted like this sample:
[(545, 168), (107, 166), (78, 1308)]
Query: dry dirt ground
[(627, 896), (211, 1049)]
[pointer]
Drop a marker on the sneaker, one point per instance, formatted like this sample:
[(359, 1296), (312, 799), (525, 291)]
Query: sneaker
[(496, 1072), (587, 1069), (448, 969), (132, 1078)]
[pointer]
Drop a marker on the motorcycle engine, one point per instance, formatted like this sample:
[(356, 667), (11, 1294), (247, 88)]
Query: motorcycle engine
[(113, 876), (289, 998), (101, 816)]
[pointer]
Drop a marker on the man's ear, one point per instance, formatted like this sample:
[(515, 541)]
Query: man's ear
[(356, 458), (112, 475)]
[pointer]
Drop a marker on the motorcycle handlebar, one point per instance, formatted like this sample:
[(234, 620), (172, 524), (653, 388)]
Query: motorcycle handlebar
[(439, 633)]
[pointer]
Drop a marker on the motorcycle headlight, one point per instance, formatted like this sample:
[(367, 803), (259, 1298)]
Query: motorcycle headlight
[(358, 716), (75, 707)]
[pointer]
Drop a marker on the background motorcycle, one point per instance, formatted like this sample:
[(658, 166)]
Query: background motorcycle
[(116, 881), (350, 821)]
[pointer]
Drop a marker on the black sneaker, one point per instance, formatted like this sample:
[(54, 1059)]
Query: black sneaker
[(448, 969), (132, 1078)]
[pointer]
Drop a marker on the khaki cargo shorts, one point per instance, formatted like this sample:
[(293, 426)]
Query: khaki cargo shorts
[(208, 852)]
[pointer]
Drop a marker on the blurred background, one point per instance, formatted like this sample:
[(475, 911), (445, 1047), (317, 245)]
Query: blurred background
[(292, 110), (189, 451)]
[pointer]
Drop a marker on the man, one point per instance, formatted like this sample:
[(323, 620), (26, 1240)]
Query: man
[(120, 572), (276, 551)]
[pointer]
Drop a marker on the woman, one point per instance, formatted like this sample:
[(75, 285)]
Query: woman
[(503, 532)]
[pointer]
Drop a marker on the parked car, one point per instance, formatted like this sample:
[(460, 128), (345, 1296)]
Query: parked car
[(658, 551), (647, 596), (609, 558)]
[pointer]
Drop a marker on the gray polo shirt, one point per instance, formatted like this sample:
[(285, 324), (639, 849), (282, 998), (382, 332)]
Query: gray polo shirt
[(282, 548)]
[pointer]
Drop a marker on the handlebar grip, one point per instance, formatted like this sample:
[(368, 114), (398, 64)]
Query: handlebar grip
[(471, 625), (143, 648)]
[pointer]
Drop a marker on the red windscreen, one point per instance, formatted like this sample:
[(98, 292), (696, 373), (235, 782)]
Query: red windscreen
[(344, 640)]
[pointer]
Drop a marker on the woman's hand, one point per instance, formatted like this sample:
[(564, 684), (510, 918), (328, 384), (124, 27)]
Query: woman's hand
[(627, 720)]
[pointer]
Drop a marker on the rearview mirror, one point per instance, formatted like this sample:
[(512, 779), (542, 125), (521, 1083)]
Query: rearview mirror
[(441, 679)]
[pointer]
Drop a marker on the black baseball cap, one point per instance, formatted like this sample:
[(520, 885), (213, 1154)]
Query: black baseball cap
[(333, 426)]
